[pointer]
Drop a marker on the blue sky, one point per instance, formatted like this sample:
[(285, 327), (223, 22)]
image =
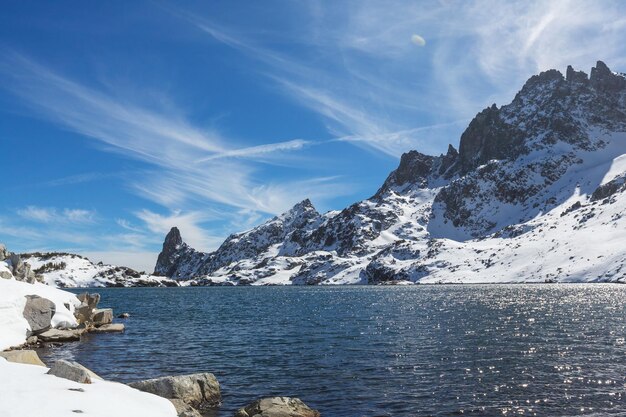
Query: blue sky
[(119, 120)]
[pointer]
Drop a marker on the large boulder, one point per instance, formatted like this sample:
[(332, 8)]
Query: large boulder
[(28, 357), (102, 316), (277, 407), (73, 371), (38, 312), (197, 390)]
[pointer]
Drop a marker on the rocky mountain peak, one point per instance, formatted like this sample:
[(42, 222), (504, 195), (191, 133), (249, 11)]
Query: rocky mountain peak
[(172, 244), (603, 79), (488, 137), (414, 168), (173, 238)]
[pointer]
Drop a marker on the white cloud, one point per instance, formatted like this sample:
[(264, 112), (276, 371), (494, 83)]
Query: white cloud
[(188, 224), (418, 40), (140, 261), (52, 215), (164, 139), (369, 82)]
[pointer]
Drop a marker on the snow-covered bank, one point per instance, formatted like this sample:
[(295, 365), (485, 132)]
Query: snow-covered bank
[(28, 392), (68, 270), (13, 326)]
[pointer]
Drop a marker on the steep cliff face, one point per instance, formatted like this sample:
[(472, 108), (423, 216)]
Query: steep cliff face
[(530, 179)]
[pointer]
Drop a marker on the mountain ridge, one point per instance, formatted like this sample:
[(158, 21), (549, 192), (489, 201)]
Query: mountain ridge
[(559, 142)]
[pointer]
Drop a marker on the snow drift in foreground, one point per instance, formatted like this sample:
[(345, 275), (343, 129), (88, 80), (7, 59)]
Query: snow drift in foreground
[(13, 325), (535, 193), (27, 391)]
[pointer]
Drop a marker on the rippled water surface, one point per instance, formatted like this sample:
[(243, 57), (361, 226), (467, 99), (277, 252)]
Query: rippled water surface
[(485, 350)]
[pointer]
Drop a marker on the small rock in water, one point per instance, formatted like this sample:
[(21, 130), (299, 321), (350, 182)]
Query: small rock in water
[(123, 316), (109, 328), (277, 407)]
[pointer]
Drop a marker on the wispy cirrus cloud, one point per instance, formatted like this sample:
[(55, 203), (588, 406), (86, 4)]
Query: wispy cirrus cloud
[(377, 78), (162, 138), (53, 215)]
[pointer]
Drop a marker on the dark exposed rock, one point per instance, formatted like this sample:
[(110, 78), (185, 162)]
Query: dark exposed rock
[(38, 312), (277, 407), (200, 391), (610, 188), (488, 137), (603, 79), (166, 262)]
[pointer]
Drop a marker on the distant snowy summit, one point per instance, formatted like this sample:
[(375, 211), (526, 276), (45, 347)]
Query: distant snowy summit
[(535, 193)]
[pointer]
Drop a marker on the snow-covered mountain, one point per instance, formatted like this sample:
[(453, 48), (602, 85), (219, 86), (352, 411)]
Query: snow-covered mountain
[(535, 193), (66, 270)]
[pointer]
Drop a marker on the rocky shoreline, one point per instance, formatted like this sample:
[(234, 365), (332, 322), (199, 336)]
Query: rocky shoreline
[(192, 395)]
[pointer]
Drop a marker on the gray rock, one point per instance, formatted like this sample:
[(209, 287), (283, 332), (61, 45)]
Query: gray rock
[(71, 370), (6, 275), (183, 409), (102, 316), (88, 303), (109, 328), (277, 407), (123, 316), (57, 335), (91, 300), (197, 390), (38, 312), (28, 357)]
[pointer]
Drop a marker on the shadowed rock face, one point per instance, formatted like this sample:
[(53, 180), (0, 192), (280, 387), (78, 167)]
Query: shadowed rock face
[(167, 257)]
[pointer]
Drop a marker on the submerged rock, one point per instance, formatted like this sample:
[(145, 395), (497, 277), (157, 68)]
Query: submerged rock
[(183, 409), (197, 390), (109, 328), (277, 407)]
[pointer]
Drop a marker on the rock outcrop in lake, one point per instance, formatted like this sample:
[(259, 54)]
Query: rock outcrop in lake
[(529, 182), (277, 407)]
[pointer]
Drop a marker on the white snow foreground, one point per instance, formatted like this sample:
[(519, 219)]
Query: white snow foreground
[(13, 325), (27, 391)]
